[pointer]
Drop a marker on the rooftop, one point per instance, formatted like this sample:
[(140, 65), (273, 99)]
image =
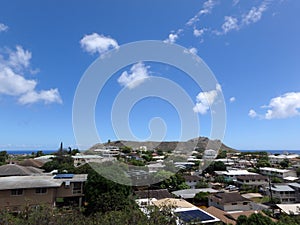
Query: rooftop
[(281, 188), (18, 170), (24, 182), (225, 198), (190, 193), (158, 194)]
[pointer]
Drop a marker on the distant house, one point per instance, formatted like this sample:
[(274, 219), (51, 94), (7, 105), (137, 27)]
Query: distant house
[(18, 191), (252, 180), (229, 202), (280, 173), (192, 180), (276, 159), (18, 170), (210, 154), (234, 173), (230, 217), (186, 212), (191, 193), (80, 159), (284, 193), (157, 194)]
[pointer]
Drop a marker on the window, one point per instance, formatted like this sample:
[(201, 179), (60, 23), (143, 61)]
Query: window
[(234, 203), (77, 188), (245, 203), (41, 190), (17, 192)]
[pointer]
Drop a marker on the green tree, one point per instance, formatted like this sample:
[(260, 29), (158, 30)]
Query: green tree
[(284, 163)]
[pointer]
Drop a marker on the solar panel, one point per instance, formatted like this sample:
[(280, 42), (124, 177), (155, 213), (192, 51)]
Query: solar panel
[(194, 216), (64, 176)]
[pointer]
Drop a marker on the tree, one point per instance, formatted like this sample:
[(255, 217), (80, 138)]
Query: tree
[(263, 163), (3, 157), (254, 219), (284, 163), (103, 195)]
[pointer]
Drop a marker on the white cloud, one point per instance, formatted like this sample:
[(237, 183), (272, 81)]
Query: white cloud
[(206, 9), (230, 23), (46, 96), (193, 51), (3, 27), (137, 75), (93, 43), (254, 14), (252, 113), (206, 99), (13, 82), (172, 38), (198, 33), (19, 59), (284, 106), (232, 99)]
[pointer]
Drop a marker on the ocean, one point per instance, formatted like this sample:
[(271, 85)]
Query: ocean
[(23, 152)]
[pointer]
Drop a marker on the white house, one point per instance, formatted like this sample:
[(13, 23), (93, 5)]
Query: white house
[(281, 173)]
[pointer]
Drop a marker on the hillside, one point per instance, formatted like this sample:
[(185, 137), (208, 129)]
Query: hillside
[(201, 143)]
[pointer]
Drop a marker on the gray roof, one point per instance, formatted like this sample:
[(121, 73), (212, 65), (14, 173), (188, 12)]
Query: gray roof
[(17, 170), (297, 185), (281, 188), (190, 193), (47, 181)]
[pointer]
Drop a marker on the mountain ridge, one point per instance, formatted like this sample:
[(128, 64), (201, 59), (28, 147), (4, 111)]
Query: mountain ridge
[(202, 144)]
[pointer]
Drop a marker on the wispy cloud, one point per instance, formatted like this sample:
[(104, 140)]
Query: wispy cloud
[(137, 75), (255, 14), (281, 107), (230, 23), (205, 100), (252, 16), (3, 27), (13, 82), (206, 9), (97, 43)]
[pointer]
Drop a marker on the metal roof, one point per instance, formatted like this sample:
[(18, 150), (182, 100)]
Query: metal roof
[(47, 181), (281, 188)]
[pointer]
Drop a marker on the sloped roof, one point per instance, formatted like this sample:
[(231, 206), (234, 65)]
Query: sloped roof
[(32, 162), (158, 194), (17, 170), (229, 198), (173, 202), (220, 214)]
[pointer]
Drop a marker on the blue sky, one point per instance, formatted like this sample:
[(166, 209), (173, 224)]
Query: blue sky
[(252, 47)]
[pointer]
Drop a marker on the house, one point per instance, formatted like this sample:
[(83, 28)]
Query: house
[(296, 187), (61, 189), (254, 180), (283, 192), (289, 209), (18, 170), (230, 217), (80, 159), (234, 173), (276, 159), (280, 173), (157, 194), (192, 180), (186, 212), (210, 154), (229, 202), (191, 193)]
